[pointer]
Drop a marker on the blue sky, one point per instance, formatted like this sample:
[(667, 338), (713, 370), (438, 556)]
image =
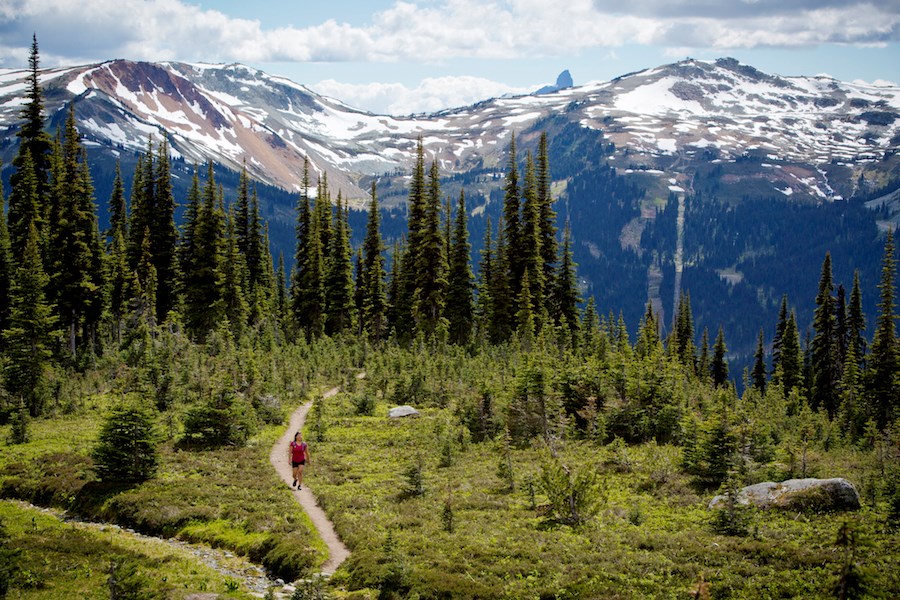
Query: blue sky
[(392, 56)]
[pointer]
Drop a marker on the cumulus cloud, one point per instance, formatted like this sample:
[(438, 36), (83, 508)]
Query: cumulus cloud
[(76, 31), (432, 94)]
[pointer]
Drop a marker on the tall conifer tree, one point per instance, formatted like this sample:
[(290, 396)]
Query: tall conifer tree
[(825, 368), (511, 226), (374, 295), (884, 360), (856, 323), (339, 286), (759, 366), (566, 305), (34, 142), (460, 281), (719, 366), (549, 246), (29, 337)]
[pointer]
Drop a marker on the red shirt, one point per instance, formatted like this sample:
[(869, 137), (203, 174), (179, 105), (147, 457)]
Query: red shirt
[(298, 451)]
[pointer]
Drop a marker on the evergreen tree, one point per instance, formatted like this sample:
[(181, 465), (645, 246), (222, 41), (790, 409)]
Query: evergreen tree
[(460, 284), (126, 446), (308, 281), (549, 247), (883, 387), (25, 204), (703, 360), (35, 144), (525, 315), (779, 333), (163, 233), (683, 332), (591, 332), (648, 342), (74, 253), (511, 227), (234, 279), (484, 307), (842, 333), (531, 252), (373, 309), (823, 348), (430, 278), (503, 302), (6, 266), (566, 304), (118, 209), (856, 323), (28, 339), (281, 299), (759, 366), (202, 284), (719, 367), (339, 285), (790, 363)]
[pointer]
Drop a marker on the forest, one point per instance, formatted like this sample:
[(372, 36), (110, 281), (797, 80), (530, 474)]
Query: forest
[(148, 369)]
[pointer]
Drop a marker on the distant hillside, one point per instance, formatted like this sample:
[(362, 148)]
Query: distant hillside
[(708, 177)]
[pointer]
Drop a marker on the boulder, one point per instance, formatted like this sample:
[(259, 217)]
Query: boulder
[(402, 411), (798, 494)]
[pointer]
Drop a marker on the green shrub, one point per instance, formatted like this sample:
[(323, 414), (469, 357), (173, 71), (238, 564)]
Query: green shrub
[(364, 404), (126, 447), (126, 582), (224, 420), (574, 493)]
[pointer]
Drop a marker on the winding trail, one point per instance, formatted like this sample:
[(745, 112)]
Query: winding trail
[(337, 551)]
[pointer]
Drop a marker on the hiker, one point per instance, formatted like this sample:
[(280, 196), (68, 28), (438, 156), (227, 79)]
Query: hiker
[(299, 454)]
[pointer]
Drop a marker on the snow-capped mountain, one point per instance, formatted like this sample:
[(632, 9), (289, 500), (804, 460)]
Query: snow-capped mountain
[(814, 135)]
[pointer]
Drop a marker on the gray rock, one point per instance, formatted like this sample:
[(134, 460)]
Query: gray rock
[(403, 411), (798, 494)]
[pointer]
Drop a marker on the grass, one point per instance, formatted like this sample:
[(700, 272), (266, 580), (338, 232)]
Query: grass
[(652, 537), (229, 498), (62, 560)]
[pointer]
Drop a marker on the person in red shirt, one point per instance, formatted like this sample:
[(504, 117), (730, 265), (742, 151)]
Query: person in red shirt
[(299, 455)]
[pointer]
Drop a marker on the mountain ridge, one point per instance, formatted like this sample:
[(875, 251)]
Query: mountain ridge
[(227, 113)]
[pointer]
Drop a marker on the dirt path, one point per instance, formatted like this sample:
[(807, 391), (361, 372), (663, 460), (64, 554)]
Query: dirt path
[(337, 551)]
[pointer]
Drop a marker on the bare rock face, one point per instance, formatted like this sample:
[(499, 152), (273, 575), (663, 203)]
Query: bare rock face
[(813, 495), (402, 411)]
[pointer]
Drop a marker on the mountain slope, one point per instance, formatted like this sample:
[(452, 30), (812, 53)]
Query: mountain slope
[(710, 177)]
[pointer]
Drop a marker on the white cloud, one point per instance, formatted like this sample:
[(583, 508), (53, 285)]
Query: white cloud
[(434, 31), (431, 95)]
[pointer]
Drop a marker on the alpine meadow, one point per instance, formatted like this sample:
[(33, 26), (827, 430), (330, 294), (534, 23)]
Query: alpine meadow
[(641, 351)]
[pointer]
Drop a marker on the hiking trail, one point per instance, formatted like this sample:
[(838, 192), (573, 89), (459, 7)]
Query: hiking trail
[(337, 551)]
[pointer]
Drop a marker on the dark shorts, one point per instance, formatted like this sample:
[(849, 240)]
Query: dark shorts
[(296, 464)]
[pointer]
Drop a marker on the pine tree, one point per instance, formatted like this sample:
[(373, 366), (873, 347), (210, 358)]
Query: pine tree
[(6, 266), (648, 342), (202, 284), (566, 304), (549, 247), (36, 144), (234, 279), (503, 321), (460, 284), (703, 359), (532, 255), (374, 296), (431, 278), (683, 332), (308, 281), (591, 331), (24, 204), (511, 226), (484, 307), (823, 348), (883, 387), (74, 253), (29, 337), (856, 323), (339, 276), (163, 233), (779, 333), (759, 366), (791, 357), (719, 367), (842, 332)]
